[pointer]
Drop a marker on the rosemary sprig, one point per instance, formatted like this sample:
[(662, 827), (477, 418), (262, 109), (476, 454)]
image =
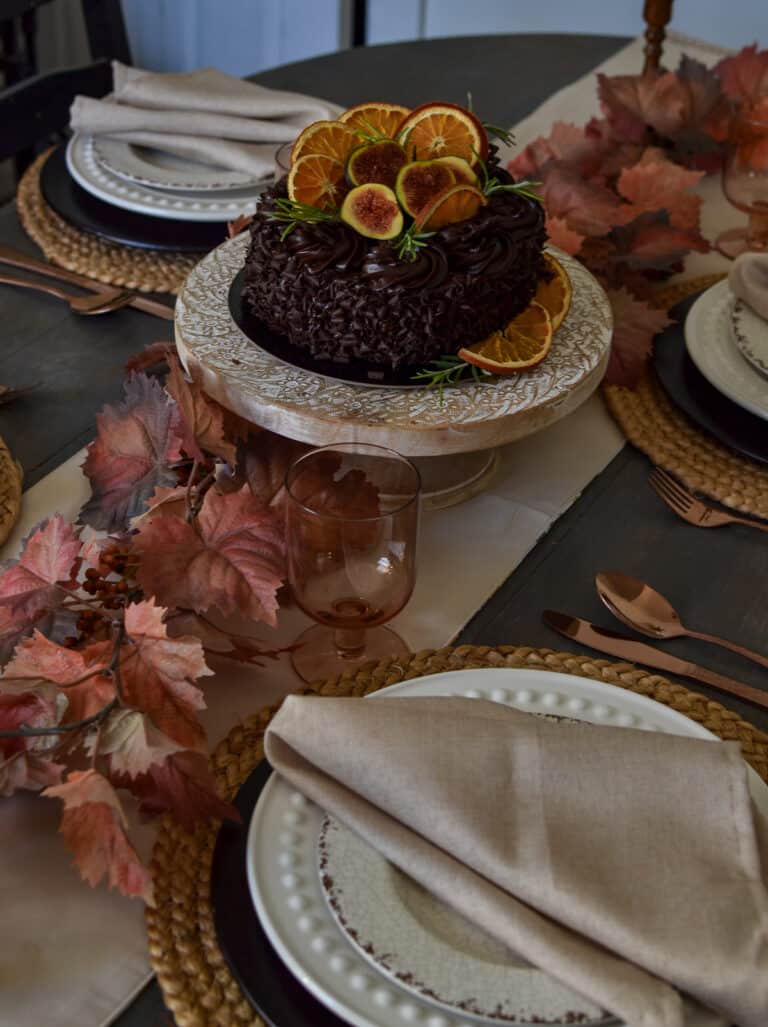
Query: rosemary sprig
[(411, 241), (369, 133), (293, 213), (449, 370), (491, 184)]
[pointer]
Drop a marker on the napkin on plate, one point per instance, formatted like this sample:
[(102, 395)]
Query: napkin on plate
[(204, 115), (748, 279), (628, 864)]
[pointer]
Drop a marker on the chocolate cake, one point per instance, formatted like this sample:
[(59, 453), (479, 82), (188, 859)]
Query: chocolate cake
[(343, 296)]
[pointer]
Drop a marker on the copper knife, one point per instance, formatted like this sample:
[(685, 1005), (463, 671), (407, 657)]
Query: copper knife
[(17, 259), (614, 644)]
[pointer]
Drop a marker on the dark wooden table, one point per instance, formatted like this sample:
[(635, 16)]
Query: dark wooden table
[(718, 578)]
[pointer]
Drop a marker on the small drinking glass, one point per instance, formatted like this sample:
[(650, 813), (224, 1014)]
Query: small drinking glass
[(745, 184), (352, 513), (283, 160)]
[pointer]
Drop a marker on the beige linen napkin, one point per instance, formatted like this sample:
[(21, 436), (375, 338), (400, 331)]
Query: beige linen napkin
[(748, 279), (625, 863), (203, 115)]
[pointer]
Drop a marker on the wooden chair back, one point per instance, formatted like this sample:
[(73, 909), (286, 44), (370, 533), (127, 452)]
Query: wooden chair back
[(657, 15)]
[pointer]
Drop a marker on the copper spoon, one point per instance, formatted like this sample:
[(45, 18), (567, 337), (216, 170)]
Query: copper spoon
[(643, 608), (91, 303)]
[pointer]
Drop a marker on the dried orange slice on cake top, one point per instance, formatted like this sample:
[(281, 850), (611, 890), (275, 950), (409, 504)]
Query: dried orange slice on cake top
[(318, 181), (520, 346), (443, 130), (375, 118), (324, 138), (554, 295)]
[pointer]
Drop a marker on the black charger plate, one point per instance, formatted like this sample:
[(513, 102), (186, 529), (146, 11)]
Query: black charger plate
[(356, 372), (71, 202), (735, 427), (271, 988)]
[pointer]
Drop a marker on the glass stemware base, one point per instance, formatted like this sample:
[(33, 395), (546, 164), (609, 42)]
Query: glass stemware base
[(323, 652), (736, 241)]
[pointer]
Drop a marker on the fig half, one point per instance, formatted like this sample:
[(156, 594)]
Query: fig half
[(376, 162), (419, 182), (373, 211)]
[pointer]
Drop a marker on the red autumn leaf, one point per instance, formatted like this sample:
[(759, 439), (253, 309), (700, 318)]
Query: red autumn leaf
[(137, 441), (49, 560), (634, 326), (12, 630), (163, 503), (564, 237), (38, 660), (744, 76), (632, 103), (655, 183), (32, 708), (586, 207), (206, 425), (233, 559), (94, 829), (184, 786), (133, 743), (29, 771), (152, 355), (157, 674), (651, 243), (565, 142), (267, 458)]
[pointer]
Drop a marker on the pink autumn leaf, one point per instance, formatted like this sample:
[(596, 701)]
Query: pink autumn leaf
[(137, 442), (633, 103), (157, 675), (28, 771), (234, 561), (94, 829), (634, 326), (745, 76), (565, 142), (586, 207), (48, 563), (651, 243), (206, 425), (655, 183), (133, 743), (562, 236), (267, 458)]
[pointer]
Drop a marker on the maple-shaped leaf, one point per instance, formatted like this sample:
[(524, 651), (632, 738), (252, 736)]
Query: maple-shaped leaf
[(566, 142), (132, 742), (151, 356), (33, 709), (633, 103), (745, 75), (206, 426), (39, 660), (655, 183), (157, 674), (163, 502), (562, 236), (48, 563), (184, 786), (137, 442), (232, 559), (650, 242), (586, 207), (28, 771), (12, 631), (267, 458), (634, 326), (94, 829)]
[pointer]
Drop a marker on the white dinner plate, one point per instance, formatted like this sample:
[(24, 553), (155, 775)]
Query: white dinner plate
[(160, 170), (750, 333), (712, 348), (191, 206), (289, 897)]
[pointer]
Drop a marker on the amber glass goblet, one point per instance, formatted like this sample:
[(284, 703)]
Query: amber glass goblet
[(745, 184), (352, 513)]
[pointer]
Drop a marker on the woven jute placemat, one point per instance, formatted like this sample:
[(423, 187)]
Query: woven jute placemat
[(196, 982), (108, 262), (11, 476), (655, 425)]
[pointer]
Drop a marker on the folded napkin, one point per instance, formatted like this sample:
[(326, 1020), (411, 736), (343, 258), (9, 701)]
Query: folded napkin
[(203, 115), (628, 864), (748, 279)]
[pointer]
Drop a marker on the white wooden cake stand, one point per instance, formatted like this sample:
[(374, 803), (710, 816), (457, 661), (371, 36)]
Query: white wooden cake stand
[(453, 441)]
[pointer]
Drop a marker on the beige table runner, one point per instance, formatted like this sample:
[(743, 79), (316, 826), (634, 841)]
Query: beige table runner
[(73, 955)]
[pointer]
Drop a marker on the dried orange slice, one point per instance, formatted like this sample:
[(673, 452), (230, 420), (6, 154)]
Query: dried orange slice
[(375, 118), (326, 138), (318, 181), (554, 295), (456, 203), (521, 345), (443, 130)]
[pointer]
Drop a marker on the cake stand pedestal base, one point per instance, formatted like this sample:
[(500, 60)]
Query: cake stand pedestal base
[(448, 480)]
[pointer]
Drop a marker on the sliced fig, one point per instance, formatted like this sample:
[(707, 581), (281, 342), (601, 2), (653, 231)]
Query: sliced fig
[(373, 211), (376, 162), (419, 182), (456, 203), (461, 169)]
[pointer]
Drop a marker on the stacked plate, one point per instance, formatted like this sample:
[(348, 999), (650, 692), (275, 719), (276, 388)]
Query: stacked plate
[(333, 934), (713, 361)]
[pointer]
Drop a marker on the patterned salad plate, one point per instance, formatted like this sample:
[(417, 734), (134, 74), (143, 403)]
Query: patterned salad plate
[(373, 946), (318, 408)]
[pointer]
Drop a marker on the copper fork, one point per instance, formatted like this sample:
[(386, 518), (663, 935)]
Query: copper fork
[(691, 509)]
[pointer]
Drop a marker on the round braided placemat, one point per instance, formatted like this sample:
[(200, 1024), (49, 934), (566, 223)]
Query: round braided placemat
[(196, 982), (11, 476), (108, 262), (654, 424)]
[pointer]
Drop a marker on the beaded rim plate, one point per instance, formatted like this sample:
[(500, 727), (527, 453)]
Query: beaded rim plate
[(750, 333), (305, 406), (161, 170), (202, 206), (289, 898), (710, 343)]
